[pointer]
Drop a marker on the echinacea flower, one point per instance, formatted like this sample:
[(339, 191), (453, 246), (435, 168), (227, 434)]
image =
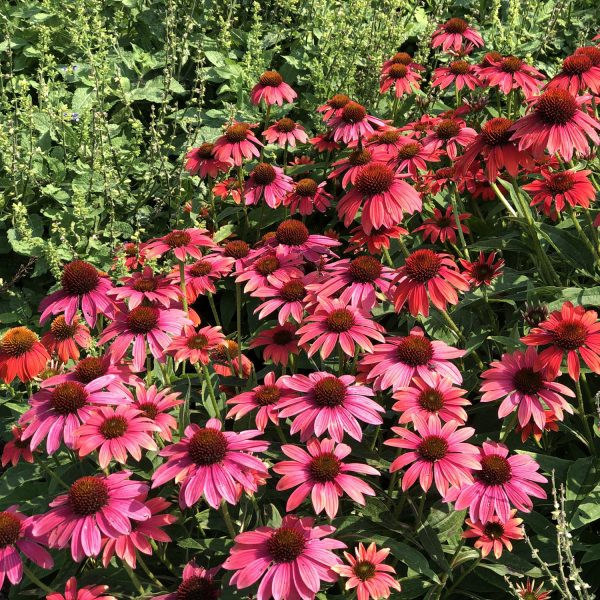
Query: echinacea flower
[(459, 72), (144, 325), (209, 462), (450, 135), (238, 143), (483, 270), (427, 276), (333, 106), (268, 183), (442, 226), (225, 360), (511, 73), (279, 343), (412, 156), (401, 78), (532, 430), (376, 241), (495, 534), (194, 345), (519, 379), (132, 254), (436, 454), (82, 286), (324, 402), (367, 573), (292, 559), (323, 142), (287, 297), (264, 398), (401, 58), (307, 196), (16, 449), (571, 330), (197, 582), (22, 355), (182, 242), (453, 33), (229, 188), (285, 132), (578, 74), (321, 473), (146, 287), (338, 322), (94, 506), (272, 90), (115, 433), (353, 123), (269, 268), (65, 340), (431, 394), (395, 362), (202, 161), (87, 592), (155, 405), (529, 591), (16, 537), (293, 237), (502, 480), (354, 163), (200, 276), (557, 124)]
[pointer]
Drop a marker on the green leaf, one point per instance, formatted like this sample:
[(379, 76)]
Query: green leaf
[(583, 492)]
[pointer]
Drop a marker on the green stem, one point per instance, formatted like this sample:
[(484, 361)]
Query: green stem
[(227, 519), (134, 579), (149, 573), (238, 306), (53, 475), (473, 566), (35, 580), (280, 434), (461, 338), (403, 248), (581, 233), (182, 285), (211, 391), (419, 516), (502, 199), (586, 426), (213, 308), (285, 156), (454, 200), (387, 256)]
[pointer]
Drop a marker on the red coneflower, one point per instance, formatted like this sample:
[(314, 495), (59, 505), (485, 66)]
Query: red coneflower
[(202, 161), (401, 77), (511, 73), (197, 582), (285, 131), (528, 591), (195, 346), (442, 226), (483, 270), (288, 297), (355, 162), (495, 534), (412, 156), (592, 52), (182, 242), (272, 89), (87, 592), (333, 106), (279, 342), (307, 196), (450, 135), (578, 74), (293, 237), (147, 287), (452, 34), (376, 241), (228, 188), (156, 405), (22, 355), (353, 123), (65, 340), (267, 182), (459, 72), (237, 143), (323, 142), (16, 449)]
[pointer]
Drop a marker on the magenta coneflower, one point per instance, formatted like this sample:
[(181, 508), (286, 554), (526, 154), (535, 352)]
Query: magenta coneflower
[(394, 363), (325, 402), (500, 482), (352, 123), (147, 287), (115, 433), (384, 198), (401, 77), (287, 297), (367, 574), (197, 582), (388, 139), (459, 72), (263, 398), (182, 242), (65, 340), (225, 360), (450, 135), (58, 411), (87, 592), (202, 161), (82, 286), (155, 405), (269, 183), (292, 559), (285, 132), (194, 346), (308, 196), (16, 536), (272, 90), (401, 58), (428, 274), (452, 34), (578, 74), (132, 254), (520, 380), (571, 330), (413, 157), (495, 534), (431, 394), (442, 226), (354, 163), (144, 325), (438, 454), (556, 124), (209, 462), (127, 546), (238, 143), (483, 270), (200, 276), (16, 449), (323, 142), (321, 472), (337, 322), (511, 73), (279, 343), (292, 237), (333, 106), (269, 268), (376, 241)]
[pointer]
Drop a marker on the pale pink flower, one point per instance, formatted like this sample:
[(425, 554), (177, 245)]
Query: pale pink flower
[(272, 90), (194, 346), (155, 405), (269, 183), (147, 287), (285, 132)]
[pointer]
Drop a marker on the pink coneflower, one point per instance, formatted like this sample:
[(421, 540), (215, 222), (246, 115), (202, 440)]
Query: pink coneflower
[(308, 196), (65, 340), (16, 449), (384, 198), (511, 73), (16, 536), (442, 226), (155, 405), (401, 58), (519, 378), (431, 394), (452, 34), (328, 403), (267, 182), (209, 462), (272, 89), (495, 534), (322, 473), (394, 363), (144, 325), (93, 507), (418, 129), (352, 123), (133, 255), (571, 330), (450, 135), (147, 287), (200, 276), (279, 342), (352, 165), (333, 106), (323, 142), (228, 188), (202, 161), (225, 360), (82, 285), (287, 297), (238, 143), (578, 74), (357, 282), (500, 482), (413, 157), (194, 346), (292, 237), (528, 591), (115, 433), (292, 559), (269, 268), (438, 454), (532, 430), (87, 592), (401, 77), (198, 582), (557, 189), (592, 52), (337, 322), (376, 241), (367, 574), (142, 532), (285, 132), (183, 243), (428, 273), (556, 124), (263, 398), (57, 412), (22, 355), (387, 139), (483, 270), (459, 72)]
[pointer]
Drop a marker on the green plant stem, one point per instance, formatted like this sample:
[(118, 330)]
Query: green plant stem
[(387, 257), (35, 580), (582, 415), (211, 391), (584, 238), (182, 285), (53, 475), (227, 519), (500, 195), (471, 568), (285, 156), (213, 308), (238, 308), (134, 579), (149, 573), (421, 508), (461, 237), (403, 248), (461, 338)]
